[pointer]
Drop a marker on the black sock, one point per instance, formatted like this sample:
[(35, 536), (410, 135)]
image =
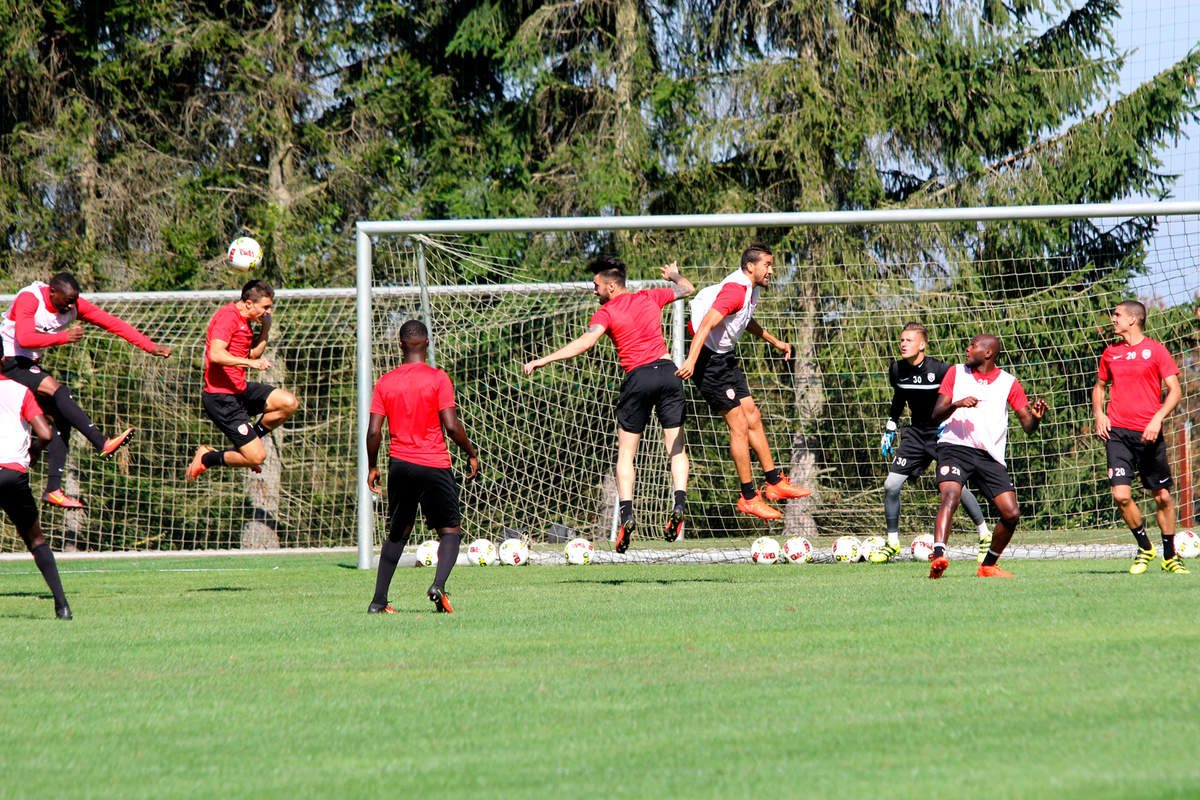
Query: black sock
[(74, 416), (1143, 541), (939, 549), (44, 558), (773, 476), (990, 559), (260, 430), (389, 556), (56, 459), (1168, 547), (748, 491), (626, 509), (215, 458), (447, 555), (680, 500)]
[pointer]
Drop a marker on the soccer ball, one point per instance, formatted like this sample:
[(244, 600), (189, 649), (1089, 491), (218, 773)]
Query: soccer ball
[(922, 547), (797, 550), (1187, 544), (244, 254), (870, 545), (578, 552), (427, 553), (845, 549), (482, 552), (765, 550), (514, 552)]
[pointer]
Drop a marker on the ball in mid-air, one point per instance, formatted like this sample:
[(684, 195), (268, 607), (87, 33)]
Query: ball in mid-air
[(765, 550), (797, 550), (244, 254), (514, 552), (482, 552), (869, 545), (845, 549), (922, 547), (1187, 544), (578, 552), (427, 553)]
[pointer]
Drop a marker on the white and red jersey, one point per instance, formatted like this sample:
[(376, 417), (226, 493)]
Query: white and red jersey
[(31, 323), (985, 426), (735, 297), (1136, 372), (17, 408)]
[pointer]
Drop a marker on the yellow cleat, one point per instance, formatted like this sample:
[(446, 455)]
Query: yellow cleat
[(1141, 561), (1175, 564), (883, 554)]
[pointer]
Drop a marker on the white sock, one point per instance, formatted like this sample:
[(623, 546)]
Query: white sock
[(984, 531), (893, 538)]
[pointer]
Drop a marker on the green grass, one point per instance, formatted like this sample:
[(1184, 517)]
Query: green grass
[(263, 677)]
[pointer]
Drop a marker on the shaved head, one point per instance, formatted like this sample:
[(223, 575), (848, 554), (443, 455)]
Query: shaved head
[(987, 341)]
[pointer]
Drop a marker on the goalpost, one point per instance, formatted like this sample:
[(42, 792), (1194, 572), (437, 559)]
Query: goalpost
[(497, 292)]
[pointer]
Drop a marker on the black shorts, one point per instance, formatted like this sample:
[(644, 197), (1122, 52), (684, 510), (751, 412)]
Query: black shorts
[(917, 450), (720, 380), (962, 464), (650, 386), (17, 500), (433, 488), (24, 371), (232, 412), (1128, 454)]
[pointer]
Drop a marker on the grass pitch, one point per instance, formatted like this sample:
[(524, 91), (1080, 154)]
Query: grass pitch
[(263, 677)]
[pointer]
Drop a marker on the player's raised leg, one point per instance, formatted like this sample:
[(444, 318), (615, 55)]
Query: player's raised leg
[(749, 501)]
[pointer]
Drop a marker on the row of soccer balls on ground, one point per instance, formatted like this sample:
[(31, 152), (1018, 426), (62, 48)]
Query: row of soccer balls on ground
[(765, 550)]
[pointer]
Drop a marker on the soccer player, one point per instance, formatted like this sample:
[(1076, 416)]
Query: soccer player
[(975, 397), (915, 379), (41, 317), (418, 402), (19, 412), (1136, 369), (721, 313), (633, 320), (230, 348)]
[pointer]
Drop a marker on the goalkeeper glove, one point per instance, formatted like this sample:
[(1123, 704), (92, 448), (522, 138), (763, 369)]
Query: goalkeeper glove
[(887, 442)]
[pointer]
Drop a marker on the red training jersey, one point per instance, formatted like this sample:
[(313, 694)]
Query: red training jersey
[(410, 396), (32, 323), (1136, 373), (229, 326), (633, 321)]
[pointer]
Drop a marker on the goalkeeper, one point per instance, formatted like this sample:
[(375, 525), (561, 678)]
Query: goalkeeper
[(915, 379)]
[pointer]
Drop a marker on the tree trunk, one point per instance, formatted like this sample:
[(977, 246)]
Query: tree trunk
[(809, 399), (261, 530)]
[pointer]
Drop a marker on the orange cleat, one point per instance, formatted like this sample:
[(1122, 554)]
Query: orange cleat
[(624, 533), (197, 466), (116, 443), (992, 572), (673, 532), (938, 566), (758, 507), (784, 491), (441, 600), (384, 608), (61, 499)]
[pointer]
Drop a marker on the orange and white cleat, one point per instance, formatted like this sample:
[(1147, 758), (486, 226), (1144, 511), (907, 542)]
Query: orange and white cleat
[(197, 466), (441, 600), (992, 571), (758, 507), (624, 533), (784, 491), (938, 566), (61, 499), (116, 443)]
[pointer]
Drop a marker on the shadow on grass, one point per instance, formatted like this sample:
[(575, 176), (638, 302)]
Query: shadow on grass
[(43, 595), (662, 581), (221, 589)]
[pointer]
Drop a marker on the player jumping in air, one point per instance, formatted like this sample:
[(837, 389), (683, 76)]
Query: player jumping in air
[(40, 317), (721, 313), (633, 320), (230, 348), (417, 401), (19, 412), (1136, 369), (915, 379), (974, 399)]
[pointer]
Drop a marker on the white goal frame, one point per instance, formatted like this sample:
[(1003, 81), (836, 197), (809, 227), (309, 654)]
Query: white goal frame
[(366, 229)]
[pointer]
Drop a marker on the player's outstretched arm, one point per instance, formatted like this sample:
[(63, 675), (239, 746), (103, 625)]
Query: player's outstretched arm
[(458, 434), (710, 321), (374, 437), (569, 350), (1031, 415), (754, 329), (1103, 426), (114, 324), (683, 287)]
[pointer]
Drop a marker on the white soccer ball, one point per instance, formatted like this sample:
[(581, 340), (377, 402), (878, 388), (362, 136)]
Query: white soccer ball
[(578, 552), (845, 549), (482, 552), (797, 550), (1187, 544), (765, 550), (514, 552), (244, 254), (427, 553), (922, 547), (869, 545)]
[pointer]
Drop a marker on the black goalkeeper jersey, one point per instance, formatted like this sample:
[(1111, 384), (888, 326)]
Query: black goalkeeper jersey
[(917, 386)]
